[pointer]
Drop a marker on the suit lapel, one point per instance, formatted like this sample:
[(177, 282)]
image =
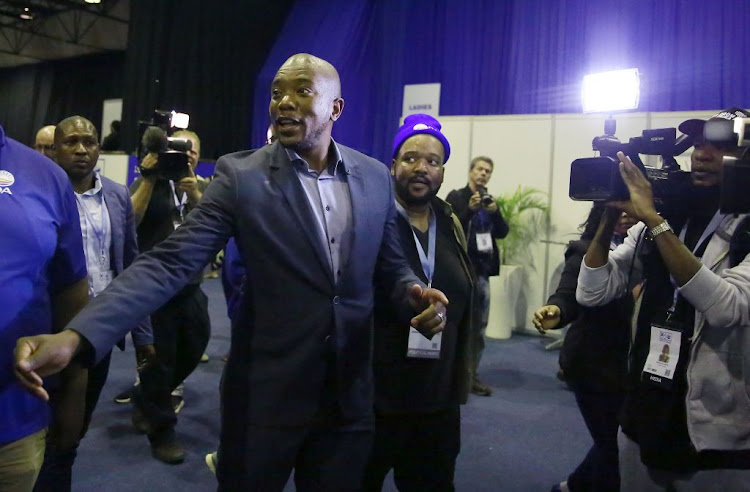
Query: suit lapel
[(285, 177), (360, 203), (115, 212)]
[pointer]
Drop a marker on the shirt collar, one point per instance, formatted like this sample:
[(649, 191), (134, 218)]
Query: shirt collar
[(334, 158), (97, 189)]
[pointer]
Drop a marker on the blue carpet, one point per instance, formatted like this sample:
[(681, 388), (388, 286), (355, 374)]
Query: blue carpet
[(525, 437)]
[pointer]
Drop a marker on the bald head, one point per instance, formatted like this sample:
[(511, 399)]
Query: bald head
[(305, 102), (74, 122), (45, 141), (328, 74), (77, 150)]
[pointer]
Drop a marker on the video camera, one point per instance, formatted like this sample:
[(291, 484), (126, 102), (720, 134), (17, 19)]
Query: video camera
[(599, 179), (155, 137), (735, 179)]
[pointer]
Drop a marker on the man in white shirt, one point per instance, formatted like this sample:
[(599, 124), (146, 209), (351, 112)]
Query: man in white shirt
[(109, 243)]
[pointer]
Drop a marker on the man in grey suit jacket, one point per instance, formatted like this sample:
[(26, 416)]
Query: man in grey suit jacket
[(314, 221), (110, 246)]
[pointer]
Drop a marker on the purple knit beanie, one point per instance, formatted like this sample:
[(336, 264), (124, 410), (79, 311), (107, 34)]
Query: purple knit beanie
[(420, 123)]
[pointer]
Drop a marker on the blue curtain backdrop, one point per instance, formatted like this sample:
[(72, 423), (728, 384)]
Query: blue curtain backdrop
[(511, 57)]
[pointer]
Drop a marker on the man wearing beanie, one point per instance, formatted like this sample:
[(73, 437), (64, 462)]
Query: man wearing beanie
[(483, 224), (420, 383)]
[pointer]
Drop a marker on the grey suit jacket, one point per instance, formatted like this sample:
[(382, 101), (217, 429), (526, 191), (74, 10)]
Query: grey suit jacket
[(295, 326), (124, 247)]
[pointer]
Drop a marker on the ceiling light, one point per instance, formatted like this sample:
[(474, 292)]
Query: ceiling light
[(93, 1)]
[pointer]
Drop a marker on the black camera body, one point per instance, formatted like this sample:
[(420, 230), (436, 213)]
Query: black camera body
[(155, 137), (485, 197), (598, 179)]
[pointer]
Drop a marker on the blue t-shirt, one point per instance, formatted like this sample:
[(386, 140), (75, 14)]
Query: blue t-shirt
[(41, 253)]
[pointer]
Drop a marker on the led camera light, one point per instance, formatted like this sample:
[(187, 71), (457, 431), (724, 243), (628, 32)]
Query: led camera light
[(606, 92)]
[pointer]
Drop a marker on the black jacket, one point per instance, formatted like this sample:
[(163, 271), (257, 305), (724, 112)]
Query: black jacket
[(595, 350), (483, 264)]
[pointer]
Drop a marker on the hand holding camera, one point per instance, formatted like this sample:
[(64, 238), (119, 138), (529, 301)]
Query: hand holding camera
[(189, 185), (641, 203), (481, 198), (148, 163)]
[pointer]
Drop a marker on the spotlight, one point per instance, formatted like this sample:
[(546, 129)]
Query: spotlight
[(605, 92), (93, 1)]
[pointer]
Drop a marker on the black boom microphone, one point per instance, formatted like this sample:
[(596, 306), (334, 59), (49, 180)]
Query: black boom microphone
[(154, 140)]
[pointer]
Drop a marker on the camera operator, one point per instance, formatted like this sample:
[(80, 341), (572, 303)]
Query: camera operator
[(686, 419), (181, 326), (483, 224)]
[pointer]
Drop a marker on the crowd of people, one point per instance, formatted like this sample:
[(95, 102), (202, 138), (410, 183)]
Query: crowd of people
[(358, 304)]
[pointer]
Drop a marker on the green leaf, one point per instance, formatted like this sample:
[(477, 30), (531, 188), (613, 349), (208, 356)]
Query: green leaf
[(526, 211)]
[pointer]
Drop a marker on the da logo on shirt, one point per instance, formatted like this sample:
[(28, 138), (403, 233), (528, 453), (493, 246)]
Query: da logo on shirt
[(6, 181)]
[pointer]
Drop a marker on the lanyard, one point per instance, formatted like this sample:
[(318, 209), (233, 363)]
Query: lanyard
[(100, 233), (710, 229), (427, 260), (179, 204)]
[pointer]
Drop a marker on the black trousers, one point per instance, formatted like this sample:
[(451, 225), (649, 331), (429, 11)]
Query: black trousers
[(599, 470), (57, 469), (421, 449), (181, 331), (323, 456)]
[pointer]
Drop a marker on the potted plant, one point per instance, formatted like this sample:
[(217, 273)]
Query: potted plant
[(526, 211)]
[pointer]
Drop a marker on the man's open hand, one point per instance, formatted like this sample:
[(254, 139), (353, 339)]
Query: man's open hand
[(430, 303), (42, 355)]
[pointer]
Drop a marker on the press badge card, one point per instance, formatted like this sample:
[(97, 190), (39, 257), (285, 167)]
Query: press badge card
[(663, 354), (484, 242), (420, 347)]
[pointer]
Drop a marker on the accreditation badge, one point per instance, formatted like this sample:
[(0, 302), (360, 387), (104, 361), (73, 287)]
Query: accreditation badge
[(421, 347), (664, 352), (484, 242)]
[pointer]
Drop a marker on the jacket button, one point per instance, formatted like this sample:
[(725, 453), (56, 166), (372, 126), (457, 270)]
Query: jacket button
[(336, 299)]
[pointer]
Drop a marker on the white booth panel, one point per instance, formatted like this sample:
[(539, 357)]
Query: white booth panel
[(457, 130), (114, 166), (111, 110), (520, 148)]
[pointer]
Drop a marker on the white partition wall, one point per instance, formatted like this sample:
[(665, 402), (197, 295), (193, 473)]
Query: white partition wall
[(536, 151), (111, 110), (114, 166), (458, 131)]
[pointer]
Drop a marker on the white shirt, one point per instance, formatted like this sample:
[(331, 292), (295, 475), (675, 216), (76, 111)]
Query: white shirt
[(96, 231)]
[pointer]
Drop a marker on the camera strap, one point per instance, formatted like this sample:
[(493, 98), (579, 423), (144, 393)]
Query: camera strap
[(178, 203), (670, 341), (700, 246)]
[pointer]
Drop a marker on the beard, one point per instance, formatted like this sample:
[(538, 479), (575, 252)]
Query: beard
[(308, 141), (402, 191)]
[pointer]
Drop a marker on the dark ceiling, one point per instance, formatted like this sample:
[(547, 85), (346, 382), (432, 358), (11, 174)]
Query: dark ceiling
[(60, 29)]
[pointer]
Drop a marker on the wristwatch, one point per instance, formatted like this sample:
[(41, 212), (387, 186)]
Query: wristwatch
[(663, 227)]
